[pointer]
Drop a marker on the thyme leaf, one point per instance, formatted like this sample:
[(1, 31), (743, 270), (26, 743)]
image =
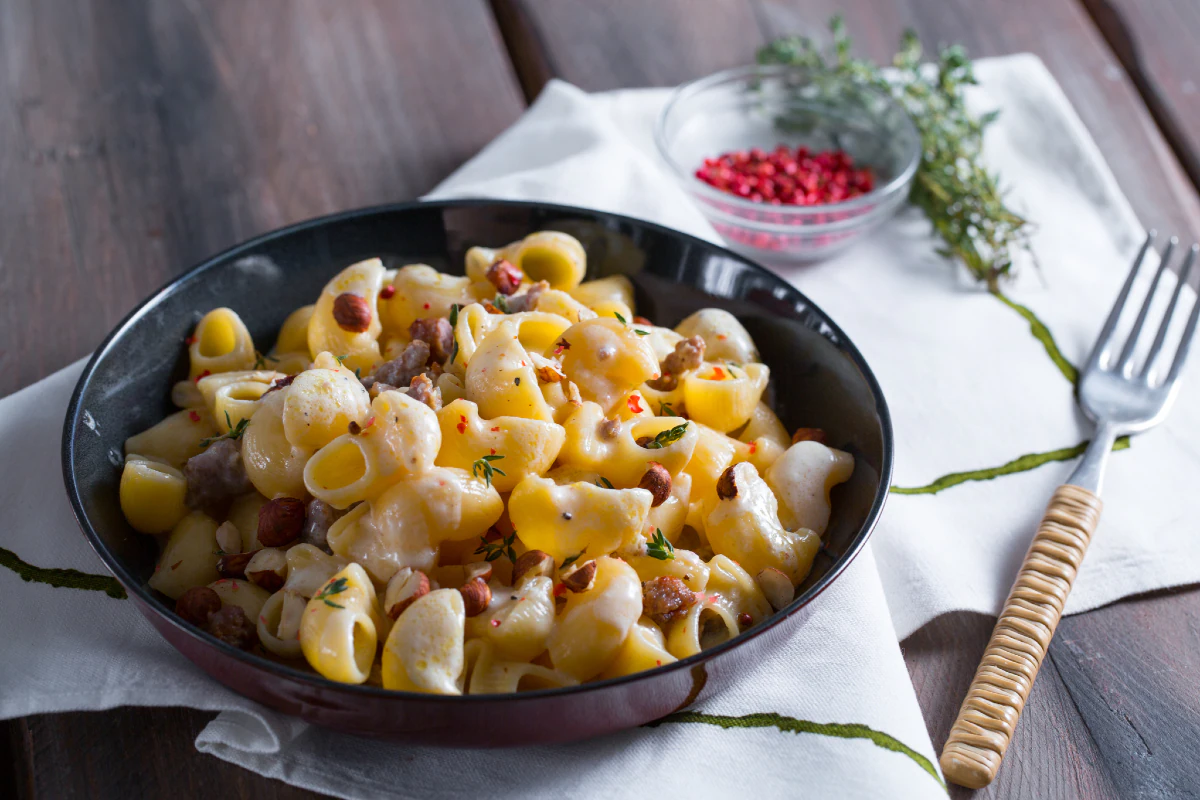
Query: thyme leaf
[(234, 433), (494, 550), (659, 547), (669, 436), (329, 590), (484, 466)]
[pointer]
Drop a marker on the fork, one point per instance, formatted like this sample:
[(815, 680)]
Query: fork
[(1121, 398)]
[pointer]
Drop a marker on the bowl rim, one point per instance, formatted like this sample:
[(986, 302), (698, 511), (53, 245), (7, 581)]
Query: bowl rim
[(693, 184), (315, 681)]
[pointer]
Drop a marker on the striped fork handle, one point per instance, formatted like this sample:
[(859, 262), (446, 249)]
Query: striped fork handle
[(989, 713)]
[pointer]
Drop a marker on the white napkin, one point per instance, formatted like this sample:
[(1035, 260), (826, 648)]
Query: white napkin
[(969, 388)]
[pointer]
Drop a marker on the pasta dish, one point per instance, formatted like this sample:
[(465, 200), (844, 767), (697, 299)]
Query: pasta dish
[(489, 483)]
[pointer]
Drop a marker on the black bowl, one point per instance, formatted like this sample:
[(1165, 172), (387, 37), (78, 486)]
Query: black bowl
[(819, 379)]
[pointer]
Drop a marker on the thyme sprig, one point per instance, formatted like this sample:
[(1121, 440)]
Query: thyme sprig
[(234, 433), (494, 550), (961, 199), (569, 560), (659, 547), (331, 589), (484, 466), (669, 436)]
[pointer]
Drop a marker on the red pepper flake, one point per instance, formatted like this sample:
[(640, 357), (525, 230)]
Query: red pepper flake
[(176, 564), (194, 416), (745, 620), (495, 623), (495, 429), (462, 423), (718, 373), (787, 177), (753, 448), (722, 337), (189, 341), (370, 421), (493, 451), (635, 403), (560, 589), (425, 306), (204, 374), (522, 363), (658, 662), (387, 292)]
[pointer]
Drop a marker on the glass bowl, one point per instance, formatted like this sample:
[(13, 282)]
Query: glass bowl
[(766, 106)]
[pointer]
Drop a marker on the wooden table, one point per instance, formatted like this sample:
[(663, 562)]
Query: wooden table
[(136, 138)]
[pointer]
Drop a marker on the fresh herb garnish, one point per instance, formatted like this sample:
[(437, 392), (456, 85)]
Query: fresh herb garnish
[(501, 302), (604, 483), (336, 587), (962, 200), (341, 359), (484, 466), (669, 436), (659, 547), (569, 560), (494, 550), (641, 333), (234, 433), (665, 410), (617, 314), (260, 360), (453, 315)]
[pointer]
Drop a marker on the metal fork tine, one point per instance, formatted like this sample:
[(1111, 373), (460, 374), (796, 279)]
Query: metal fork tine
[(1110, 324), (1185, 343), (1184, 273), (1123, 363)]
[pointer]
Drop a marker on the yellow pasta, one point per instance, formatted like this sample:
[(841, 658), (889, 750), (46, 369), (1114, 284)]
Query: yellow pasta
[(152, 495), (359, 349), (551, 490), (221, 343), (339, 629)]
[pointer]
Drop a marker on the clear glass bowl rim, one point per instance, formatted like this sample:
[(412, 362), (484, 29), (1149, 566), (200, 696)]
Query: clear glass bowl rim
[(694, 184)]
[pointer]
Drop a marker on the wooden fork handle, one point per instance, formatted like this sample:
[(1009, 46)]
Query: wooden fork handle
[(1014, 654)]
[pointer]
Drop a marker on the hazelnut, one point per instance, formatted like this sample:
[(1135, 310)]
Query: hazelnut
[(197, 604), (610, 428), (809, 435), (776, 587), (666, 598), (351, 312), (727, 484), (504, 276), (406, 587), (666, 382), (268, 568), (572, 393), (533, 564), (476, 595), (581, 578), (745, 620), (280, 521), (548, 374), (657, 481), (232, 626), (233, 565), (478, 569), (229, 538)]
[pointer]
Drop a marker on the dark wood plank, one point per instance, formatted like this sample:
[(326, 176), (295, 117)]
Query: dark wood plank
[(630, 43), (137, 138), (1115, 711), (132, 753), (1156, 42)]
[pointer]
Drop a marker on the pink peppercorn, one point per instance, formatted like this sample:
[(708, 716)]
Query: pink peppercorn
[(787, 177)]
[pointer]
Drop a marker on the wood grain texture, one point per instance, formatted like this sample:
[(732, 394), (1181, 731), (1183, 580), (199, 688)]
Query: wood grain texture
[(1156, 42), (137, 138), (668, 41), (131, 753), (993, 704)]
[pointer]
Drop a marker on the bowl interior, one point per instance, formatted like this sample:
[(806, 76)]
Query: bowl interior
[(765, 106), (818, 377)]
